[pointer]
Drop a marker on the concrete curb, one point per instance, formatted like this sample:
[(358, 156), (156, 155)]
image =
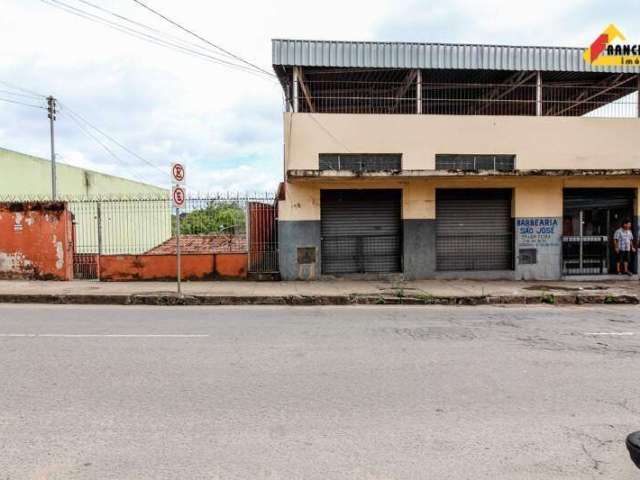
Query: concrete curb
[(298, 300)]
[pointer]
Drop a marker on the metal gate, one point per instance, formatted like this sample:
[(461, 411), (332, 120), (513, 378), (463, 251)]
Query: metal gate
[(361, 231), (263, 238), (591, 216), (86, 239), (474, 230)]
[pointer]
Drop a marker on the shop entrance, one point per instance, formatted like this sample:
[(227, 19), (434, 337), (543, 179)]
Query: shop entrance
[(361, 231), (474, 230), (591, 216)]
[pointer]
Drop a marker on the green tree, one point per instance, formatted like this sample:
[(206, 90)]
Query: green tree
[(216, 217)]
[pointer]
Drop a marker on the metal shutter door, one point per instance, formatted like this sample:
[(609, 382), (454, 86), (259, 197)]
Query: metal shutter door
[(583, 198), (474, 230), (361, 231)]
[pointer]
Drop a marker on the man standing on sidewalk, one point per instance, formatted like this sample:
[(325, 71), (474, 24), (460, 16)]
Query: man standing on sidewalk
[(623, 243)]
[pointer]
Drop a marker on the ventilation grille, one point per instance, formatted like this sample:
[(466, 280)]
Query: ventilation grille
[(474, 163), (361, 162)]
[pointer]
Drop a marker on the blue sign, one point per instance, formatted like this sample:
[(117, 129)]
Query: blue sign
[(540, 232)]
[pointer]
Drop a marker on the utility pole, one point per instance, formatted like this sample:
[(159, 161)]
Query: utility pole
[(51, 108)]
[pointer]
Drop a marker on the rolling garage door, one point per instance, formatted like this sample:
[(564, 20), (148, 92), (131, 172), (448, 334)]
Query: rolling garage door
[(474, 230), (361, 231)]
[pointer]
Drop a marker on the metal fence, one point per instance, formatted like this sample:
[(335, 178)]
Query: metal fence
[(556, 99), (208, 224), (358, 97), (120, 226), (585, 255)]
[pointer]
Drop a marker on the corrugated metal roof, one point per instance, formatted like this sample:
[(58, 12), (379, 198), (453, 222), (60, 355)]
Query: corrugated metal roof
[(324, 53)]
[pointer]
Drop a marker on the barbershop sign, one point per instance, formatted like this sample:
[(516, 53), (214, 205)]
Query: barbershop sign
[(537, 231)]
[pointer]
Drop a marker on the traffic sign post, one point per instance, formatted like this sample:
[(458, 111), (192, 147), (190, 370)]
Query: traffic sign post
[(178, 259), (178, 199)]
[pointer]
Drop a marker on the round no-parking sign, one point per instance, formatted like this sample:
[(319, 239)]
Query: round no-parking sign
[(179, 196), (177, 173)]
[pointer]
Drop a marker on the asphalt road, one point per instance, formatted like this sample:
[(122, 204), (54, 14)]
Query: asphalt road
[(318, 393)]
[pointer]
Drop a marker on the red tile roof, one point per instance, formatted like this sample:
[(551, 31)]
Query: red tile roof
[(202, 244)]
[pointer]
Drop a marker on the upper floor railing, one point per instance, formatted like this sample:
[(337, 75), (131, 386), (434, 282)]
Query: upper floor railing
[(617, 100)]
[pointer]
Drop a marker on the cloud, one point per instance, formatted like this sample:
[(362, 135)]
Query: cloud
[(226, 125), (570, 23), (130, 104), (244, 178), (162, 105)]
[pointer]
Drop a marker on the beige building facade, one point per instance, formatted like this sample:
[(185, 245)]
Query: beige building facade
[(400, 159)]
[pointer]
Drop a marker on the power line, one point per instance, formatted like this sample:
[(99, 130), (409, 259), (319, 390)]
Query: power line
[(133, 22), (16, 94), (135, 33), (21, 89), (79, 117), (199, 37), (143, 36), (328, 132), (84, 130), (82, 123), (125, 148), (22, 103)]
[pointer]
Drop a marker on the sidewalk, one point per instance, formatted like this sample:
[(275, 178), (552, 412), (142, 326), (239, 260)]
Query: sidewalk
[(340, 292)]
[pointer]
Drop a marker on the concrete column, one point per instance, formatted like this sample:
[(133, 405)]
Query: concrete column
[(299, 249), (299, 233), (538, 229), (419, 230), (296, 89)]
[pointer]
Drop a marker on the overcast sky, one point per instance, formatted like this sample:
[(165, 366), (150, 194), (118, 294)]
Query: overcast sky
[(224, 124)]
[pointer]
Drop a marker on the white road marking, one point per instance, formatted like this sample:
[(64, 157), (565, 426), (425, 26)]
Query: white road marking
[(611, 333), (105, 335)]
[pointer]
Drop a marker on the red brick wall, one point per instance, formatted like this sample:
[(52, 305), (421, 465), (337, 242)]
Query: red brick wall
[(114, 268), (36, 241)]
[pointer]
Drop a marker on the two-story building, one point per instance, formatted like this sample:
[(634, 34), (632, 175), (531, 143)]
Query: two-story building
[(444, 160)]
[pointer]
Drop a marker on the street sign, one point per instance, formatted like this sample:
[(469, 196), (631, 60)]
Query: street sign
[(179, 196), (177, 173)]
